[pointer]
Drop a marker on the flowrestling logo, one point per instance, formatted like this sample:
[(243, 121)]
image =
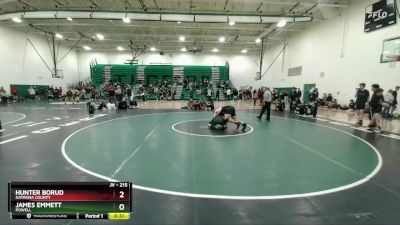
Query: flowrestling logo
[(379, 15)]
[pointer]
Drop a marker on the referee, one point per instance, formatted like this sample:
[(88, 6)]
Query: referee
[(267, 97)]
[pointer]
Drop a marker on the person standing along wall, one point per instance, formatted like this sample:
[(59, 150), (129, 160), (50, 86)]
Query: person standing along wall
[(362, 97), (286, 100), (394, 104), (255, 97), (374, 87), (14, 92), (298, 94), (228, 93), (387, 104), (3, 95), (376, 110)]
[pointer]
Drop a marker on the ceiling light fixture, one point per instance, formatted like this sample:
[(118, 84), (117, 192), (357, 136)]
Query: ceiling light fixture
[(119, 48), (178, 22), (17, 20), (87, 48), (183, 49), (100, 36), (153, 49), (126, 20), (60, 36), (244, 51), (282, 23), (222, 39), (215, 50), (69, 18), (258, 40), (231, 23), (182, 38)]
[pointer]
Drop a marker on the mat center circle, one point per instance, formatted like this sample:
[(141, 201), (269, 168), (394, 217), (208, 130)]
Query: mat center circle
[(281, 159), (200, 128)]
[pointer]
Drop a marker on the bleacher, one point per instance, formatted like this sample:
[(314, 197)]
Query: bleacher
[(97, 74), (124, 73), (157, 73), (133, 74)]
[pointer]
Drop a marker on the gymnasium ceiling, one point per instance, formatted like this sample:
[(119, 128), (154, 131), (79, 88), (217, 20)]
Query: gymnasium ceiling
[(164, 35)]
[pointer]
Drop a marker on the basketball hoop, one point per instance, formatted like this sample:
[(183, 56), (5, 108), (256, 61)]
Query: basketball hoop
[(57, 74), (393, 58), (131, 61), (258, 76)]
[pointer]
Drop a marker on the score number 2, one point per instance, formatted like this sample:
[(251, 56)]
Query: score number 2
[(121, 195)]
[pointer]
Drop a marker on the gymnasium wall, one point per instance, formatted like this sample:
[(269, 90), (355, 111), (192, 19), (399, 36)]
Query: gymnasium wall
[(335, 54), (242, 67), (19, 63)]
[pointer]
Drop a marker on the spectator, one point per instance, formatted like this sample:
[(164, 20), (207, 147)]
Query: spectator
[(374, 87), (118, 93), (77, 95), (298, 94), (3, 95), (286, 100), (362, 96), (323, 99), (123, 104), (376, 109), (292, 95), (228, 93), (102, 105), (209, 92), (209, 104), (49, 95), (93, 94), (32, 93), (275, 95), (394, 104), (70, 95), (132, 104), (14, 92), (329, 99), (235, 94), (352, 105), (389, 98), (255, 97)]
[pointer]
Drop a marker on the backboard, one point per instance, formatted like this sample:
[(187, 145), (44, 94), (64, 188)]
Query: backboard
[(390, 50), (258, 76), (57, 73)]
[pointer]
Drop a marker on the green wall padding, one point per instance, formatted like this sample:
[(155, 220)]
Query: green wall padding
[(23, 89)]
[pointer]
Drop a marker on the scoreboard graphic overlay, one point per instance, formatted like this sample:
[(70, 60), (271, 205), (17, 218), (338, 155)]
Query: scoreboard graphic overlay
[(70, 200)]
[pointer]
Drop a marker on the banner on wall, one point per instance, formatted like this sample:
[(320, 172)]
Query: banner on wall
[(380, 15)]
